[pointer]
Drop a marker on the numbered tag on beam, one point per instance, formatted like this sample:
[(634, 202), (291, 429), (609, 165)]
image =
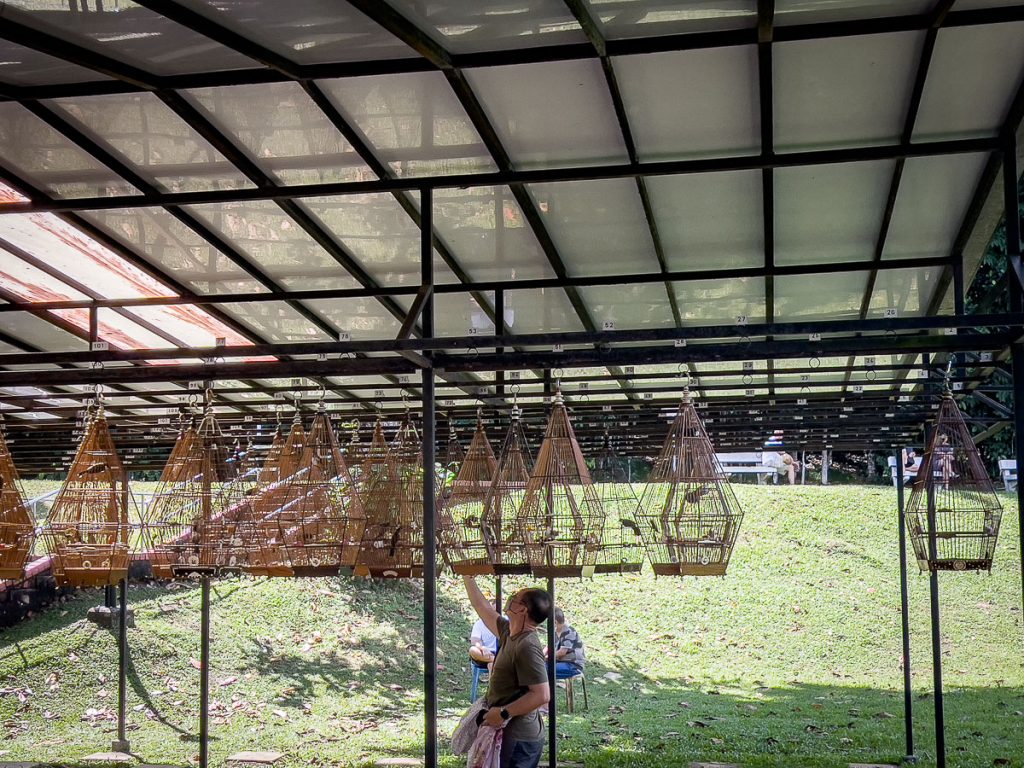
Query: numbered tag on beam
[(344, 336), (99, 346)]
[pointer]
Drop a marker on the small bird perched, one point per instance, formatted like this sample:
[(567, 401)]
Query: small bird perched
[(94, 469)]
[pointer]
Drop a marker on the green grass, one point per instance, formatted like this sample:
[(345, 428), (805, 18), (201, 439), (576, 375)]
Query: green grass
[(793, 660)]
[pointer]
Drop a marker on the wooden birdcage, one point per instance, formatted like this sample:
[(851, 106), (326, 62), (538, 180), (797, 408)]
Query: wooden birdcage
[(461, 508), (88, 529), (622, 548), (192, 524), (689, 515), (315, 513), (17, 528), (953, 496), (260, 528), (451, 461), (506, 551), (354, 452), (392, 496), (561, 521)]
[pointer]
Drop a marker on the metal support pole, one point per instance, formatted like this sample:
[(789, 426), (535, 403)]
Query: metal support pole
[(1013, 253), (553, 704), (824, 466), (429, 513), (204, 673), (908, 693), (497, 596), (121, 743), (933, 583)]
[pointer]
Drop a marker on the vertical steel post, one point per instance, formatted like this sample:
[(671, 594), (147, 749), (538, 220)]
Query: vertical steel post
[(553, 704), (121, 743), (908, 693), (429, 514), (204, 673), (497, 596)]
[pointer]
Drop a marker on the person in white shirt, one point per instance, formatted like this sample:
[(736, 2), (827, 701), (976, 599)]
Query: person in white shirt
[(482, 645)]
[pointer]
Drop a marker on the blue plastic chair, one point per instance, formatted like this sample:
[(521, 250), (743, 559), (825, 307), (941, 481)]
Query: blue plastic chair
[(478, 672), (569, 675)]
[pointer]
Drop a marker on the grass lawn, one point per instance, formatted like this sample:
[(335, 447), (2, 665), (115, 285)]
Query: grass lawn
[(793, 660)]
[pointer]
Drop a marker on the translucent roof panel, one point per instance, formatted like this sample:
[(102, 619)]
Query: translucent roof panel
[(661, 89), (29, 283), (973, 76), (459, 315), (20, 65), (829, 213), (413, 122), (40, 334), (129, 33), (485, 229), (816, 11), (908, 291), (173, 248), (275, 321), (306, 31), (709, 220), (380, 234), (629, 306), (835, 296), (598, 227), (571, 118), (48, 160), (843, 91), (364, 319), (474, 27), (931, 203), (540, 311), (285, 134), (120, 331), (721, 302), (181, 322), (618, 19), (153, 141), (275, 244)]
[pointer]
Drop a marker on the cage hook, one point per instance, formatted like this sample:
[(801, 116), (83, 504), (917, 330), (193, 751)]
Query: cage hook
[(947, 375)]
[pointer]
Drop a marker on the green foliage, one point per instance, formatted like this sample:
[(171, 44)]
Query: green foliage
[(791, 661)]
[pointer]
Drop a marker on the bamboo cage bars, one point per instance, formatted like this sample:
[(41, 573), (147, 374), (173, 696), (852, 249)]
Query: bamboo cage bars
[(88, 528), (192, 524), (689, 515), (392, 496), (622, 548), (461, 508), (561, 521), (953, 498), (505, 549), (314, 514), (17, 528)]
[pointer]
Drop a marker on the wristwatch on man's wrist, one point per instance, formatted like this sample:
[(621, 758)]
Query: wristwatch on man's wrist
[(504, 714)]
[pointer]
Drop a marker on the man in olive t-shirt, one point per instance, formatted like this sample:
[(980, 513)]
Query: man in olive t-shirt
[(519, 678)]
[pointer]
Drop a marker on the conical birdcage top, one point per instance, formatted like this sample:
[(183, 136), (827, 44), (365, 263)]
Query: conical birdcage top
[(689, 515), (461, 508), (622, 549), (354, 452), (506, 550), (192, 522), (954, 490), (311, 523), (392, 496), (88, 529), (561, 521), (17, 528)]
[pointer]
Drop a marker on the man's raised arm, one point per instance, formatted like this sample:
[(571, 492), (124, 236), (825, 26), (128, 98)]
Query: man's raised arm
[(483, 607)]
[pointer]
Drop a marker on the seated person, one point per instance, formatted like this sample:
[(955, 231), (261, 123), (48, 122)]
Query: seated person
[(570, 655), (482, 645), (911, 463), (783, 463)]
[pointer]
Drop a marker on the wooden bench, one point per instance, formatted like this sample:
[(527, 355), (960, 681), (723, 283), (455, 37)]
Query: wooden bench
[(746, 463), (908, 477), (1008, 471)]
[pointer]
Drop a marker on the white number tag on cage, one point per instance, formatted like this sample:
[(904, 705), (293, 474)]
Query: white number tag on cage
[(814, 337), (957, 386), (195, 385), (558, 348), (648, 395), (748, 365), (220, 341), (742, 320), (473, 331), (608, 325), (403, 379), (164, 420), (890, 312), (903, 399), (606, 408), (321, 357), (798, 418), (344, 336), (805, 377), (950, 331), (869, 361), (679, 343), (99, 346), (448, 403), (922, 373), (985, 357), (378, 393), (514, 375), (247, 418), (858, 388), (751, 392), (801, 401), (629, 370), (481, 391)]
